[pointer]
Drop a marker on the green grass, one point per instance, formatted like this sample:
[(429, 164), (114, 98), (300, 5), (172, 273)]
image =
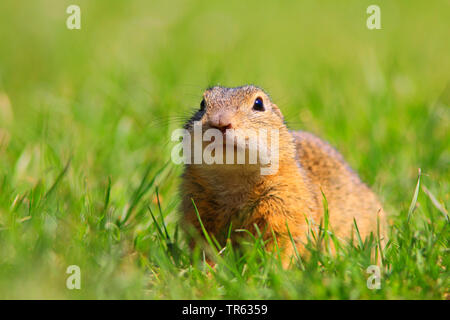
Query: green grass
[(85, 123)]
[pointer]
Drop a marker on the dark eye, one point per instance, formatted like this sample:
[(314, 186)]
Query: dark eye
[(202, 105), (258, 105)]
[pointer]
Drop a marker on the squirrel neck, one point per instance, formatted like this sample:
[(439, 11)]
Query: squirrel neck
[(237, 186)]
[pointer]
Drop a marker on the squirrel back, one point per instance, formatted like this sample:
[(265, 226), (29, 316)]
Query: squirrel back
[(346, 195)]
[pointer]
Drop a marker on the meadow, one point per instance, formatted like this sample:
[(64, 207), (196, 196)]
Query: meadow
[(85, 123)]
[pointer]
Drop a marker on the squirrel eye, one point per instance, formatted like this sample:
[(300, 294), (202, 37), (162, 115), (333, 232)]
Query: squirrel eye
[(258, 105), (202, 105)]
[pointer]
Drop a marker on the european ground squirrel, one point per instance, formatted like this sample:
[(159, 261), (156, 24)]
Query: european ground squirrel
[(238, 194)]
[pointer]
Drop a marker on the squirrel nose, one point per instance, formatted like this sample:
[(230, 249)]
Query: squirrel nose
[(221, 122)]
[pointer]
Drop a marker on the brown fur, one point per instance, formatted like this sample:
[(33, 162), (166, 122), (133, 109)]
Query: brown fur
[(240, 195)]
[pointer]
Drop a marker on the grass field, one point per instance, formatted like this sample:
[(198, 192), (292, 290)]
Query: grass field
[(86, 117)]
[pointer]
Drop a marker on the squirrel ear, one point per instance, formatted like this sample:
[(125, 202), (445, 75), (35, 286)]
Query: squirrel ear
[(277, 110)]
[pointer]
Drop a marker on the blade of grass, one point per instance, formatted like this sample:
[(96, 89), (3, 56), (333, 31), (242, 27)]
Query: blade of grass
[(155, 222), (435, 202), (107, 196), (58, 179), (140, 191), (205, 233), (161, 214), (414, 199), (379, 239), (277, 249), (297, 255), (360, 242)]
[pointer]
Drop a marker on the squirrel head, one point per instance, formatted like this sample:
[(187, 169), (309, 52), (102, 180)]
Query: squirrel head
[(245, 107), (243, 118)]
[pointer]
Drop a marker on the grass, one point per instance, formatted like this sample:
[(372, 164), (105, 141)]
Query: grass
[(85, 123)]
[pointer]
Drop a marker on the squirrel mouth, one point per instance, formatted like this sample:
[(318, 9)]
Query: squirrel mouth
[(222, 129)]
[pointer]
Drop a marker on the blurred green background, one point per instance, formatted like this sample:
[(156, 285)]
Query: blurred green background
[(108, 96)]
